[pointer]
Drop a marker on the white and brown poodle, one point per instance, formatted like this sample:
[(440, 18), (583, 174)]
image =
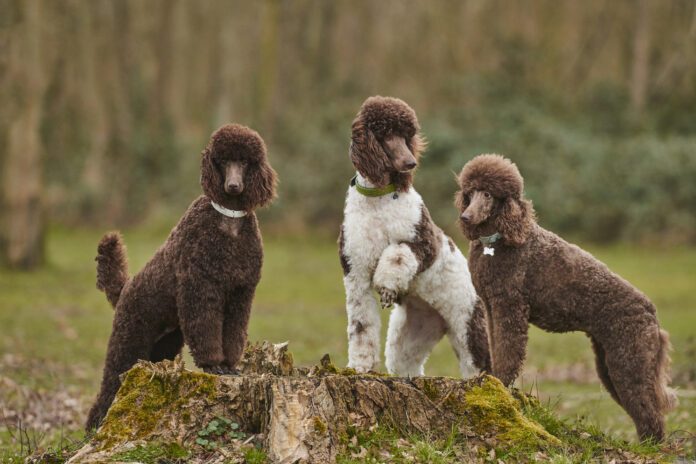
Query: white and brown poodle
[(388, 243)]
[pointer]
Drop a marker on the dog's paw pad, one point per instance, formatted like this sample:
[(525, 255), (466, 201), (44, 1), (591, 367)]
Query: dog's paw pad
[(387, 297)]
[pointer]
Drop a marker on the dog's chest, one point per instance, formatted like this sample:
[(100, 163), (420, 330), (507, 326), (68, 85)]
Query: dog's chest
[(491, 272), (372, 224), (239, 251), (231, 227)]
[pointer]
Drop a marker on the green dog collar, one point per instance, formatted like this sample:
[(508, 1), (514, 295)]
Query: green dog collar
[(490, 239), (372, 191)]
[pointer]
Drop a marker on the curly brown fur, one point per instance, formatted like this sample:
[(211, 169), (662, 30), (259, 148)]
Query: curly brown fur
[(112, 266), (199, 286), (379, 119), (478, 338), (536, 277)]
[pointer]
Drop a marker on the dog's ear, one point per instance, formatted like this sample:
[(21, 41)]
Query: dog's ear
[(367, 154), (418, 144), (259, 185), (211, 180), (514, 220), (459, 200)]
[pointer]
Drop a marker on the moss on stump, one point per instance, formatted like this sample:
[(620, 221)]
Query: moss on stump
[(284, 414)]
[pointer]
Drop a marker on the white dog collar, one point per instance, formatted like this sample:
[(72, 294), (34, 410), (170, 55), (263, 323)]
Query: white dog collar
[(228, 212)]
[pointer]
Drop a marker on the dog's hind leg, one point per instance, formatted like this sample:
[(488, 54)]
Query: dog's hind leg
[(633, 368), (128, 343), (414, 329), (602, 370), (168, 346), (456, 307)]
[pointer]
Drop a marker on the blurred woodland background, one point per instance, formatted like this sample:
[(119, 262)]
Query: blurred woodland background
[(107, 104)]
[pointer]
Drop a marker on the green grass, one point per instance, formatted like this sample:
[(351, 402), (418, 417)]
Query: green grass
[(54, 324)]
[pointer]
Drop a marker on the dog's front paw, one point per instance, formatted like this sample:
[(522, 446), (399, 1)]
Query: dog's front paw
[(359, 369), (387, 297), (220, 370)]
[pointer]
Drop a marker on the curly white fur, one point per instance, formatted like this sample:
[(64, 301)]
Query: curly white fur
[(396, 268), (439, 300)]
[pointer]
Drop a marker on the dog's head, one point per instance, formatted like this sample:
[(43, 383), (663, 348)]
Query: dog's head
[(385, 142), (490, 199), (234, 169)]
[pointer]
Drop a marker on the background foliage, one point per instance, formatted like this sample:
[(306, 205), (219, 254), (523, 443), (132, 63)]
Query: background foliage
[(594, 100)]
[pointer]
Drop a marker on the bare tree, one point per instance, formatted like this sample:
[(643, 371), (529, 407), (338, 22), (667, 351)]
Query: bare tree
[(641, 51), (22, 213)]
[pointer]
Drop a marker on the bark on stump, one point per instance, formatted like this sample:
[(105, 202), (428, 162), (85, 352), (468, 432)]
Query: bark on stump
[(300, 414)]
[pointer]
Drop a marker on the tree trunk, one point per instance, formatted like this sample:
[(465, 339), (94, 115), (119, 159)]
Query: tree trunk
[(296, 414), (23, 218), (641, 51)]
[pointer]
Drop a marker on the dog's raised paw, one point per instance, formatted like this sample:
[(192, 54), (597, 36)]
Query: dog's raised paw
[(387, 297)]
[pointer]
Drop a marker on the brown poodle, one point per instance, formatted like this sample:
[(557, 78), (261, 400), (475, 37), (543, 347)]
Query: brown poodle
[(199, 286), (525, 274)]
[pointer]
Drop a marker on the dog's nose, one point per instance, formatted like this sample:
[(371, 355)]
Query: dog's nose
[(465, 217), (410, 165), (233, 188)]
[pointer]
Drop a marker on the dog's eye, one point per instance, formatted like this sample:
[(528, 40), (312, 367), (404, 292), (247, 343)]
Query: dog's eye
[(486, 194), (466, 199)]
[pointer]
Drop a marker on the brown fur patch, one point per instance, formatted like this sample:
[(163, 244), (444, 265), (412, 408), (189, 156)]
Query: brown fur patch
[(359, 328), (112, 266), (426, 244), (345, 265), (494, 174), (477, 338)]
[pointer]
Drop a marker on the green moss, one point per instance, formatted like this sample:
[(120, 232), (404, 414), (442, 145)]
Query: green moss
[(152, 453), (255, 456), (145, 397), (319, 425), (347, 371), (327, 367), (492, 410), (430, 390)]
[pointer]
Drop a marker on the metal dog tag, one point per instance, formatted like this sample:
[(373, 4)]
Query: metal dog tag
[(488, 251)]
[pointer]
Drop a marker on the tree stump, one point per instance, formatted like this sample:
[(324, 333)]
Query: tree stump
[(295, 414)]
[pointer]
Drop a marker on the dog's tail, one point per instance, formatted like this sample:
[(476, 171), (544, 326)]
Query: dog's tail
[(112, 266), (667, 397)]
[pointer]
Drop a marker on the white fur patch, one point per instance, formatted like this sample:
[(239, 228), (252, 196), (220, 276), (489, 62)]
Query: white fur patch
[(396, 268)]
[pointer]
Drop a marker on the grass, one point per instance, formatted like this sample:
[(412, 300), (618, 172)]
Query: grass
[(54, 326)]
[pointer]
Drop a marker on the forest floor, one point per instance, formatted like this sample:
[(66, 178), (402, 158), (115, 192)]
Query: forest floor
[(54, 326)]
